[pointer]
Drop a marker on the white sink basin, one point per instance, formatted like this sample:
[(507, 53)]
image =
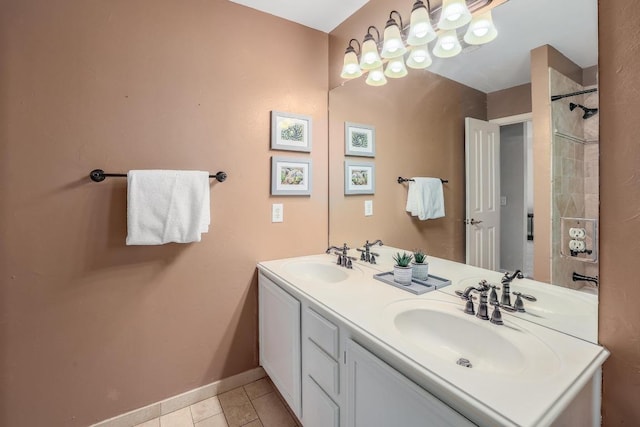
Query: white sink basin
[(317, 271), (443, 330)]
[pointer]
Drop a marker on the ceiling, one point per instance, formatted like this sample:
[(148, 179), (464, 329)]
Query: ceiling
[(323, 15), (571, 26)]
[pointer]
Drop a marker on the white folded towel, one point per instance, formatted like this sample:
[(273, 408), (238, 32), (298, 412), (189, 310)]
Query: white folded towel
[(425, 198), (167, 206)]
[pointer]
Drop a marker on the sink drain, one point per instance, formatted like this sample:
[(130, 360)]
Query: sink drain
[(464, 362)]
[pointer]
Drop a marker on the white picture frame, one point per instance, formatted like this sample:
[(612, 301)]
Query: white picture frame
[(291, 176), (359, 177), (290, 132), (359, 140)]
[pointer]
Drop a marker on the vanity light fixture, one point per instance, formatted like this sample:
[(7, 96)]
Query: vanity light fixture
[(454, 14), (396, 68), (375, 52), (376, 77), (370, 58), (447, 45), (481, 29), (351, 69), (393, 46)]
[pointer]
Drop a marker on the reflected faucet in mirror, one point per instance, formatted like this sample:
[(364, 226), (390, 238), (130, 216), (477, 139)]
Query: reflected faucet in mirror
[(366, 255)]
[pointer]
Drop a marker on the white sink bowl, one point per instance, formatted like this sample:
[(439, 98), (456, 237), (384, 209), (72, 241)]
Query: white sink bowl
[(318, 271), (443, 330)]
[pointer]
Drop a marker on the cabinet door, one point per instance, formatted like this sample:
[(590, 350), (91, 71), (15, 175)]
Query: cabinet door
[(378, 395), (319, 410), (279, 322)]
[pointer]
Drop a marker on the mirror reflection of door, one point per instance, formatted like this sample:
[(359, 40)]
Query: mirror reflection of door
[(513, 167), (482, 171)]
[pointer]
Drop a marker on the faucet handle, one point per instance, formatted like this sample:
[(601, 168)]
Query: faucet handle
[(518, 305), (493, 296), (528, 297), (496, 316)]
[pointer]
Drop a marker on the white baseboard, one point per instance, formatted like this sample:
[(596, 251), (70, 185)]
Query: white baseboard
[(155, 410)]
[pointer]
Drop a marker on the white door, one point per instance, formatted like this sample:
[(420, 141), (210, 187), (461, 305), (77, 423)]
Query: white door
[(482, 162)]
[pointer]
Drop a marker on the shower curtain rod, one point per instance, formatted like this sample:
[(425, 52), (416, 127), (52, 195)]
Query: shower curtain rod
[(556, 97)]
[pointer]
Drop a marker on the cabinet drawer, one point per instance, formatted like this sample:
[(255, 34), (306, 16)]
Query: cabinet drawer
[(323, 369), (322, 332), (319, 410)]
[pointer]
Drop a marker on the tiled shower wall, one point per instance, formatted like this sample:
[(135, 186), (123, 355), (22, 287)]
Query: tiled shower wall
[(575, 173)]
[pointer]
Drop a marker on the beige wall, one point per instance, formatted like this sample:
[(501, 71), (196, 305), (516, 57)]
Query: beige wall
[(509, 102), (419, 122), (91, 328), (619, 72)]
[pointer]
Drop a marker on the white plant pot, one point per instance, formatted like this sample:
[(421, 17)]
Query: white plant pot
[(402, 275), (420, 271)]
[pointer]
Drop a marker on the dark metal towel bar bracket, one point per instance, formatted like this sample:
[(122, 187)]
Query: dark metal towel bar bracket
[(98, 175), (401, 180)]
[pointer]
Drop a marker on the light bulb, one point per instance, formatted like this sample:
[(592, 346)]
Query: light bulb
[(454, 14), (419, 57), (420, 30), (481, 29), (447, 45), (376, 77)]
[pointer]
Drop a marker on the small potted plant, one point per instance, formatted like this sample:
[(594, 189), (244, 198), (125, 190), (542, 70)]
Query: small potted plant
[(420, 267), (402, 269)]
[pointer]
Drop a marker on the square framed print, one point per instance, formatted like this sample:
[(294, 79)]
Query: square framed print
[(290, 176), (359, 177), (291, 132), (359, 140)]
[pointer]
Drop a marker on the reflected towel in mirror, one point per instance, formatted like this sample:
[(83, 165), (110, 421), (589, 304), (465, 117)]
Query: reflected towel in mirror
[(425, 198)]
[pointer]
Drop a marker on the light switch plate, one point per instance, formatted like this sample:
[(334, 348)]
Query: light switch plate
[(368, 207), (277, 212), (503, 200)]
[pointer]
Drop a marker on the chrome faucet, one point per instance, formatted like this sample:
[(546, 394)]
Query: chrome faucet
[(366, 255), (482, 289), (506, 282), (343, 260)]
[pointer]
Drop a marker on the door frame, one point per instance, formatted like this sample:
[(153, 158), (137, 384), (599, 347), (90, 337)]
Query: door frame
[(510, 120)]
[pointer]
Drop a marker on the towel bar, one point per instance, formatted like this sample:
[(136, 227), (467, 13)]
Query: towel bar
[(98, 175), (401, 180)]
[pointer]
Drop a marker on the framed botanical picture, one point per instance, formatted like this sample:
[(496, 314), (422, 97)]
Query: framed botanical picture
[(290, 176), (291, 132), (359, 140), (359, 177)]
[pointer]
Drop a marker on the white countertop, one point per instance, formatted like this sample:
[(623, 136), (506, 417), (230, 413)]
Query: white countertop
[(532, 397), (566, 310)]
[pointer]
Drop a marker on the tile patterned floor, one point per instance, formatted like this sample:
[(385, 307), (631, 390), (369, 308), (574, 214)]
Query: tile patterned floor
[(257, 404)]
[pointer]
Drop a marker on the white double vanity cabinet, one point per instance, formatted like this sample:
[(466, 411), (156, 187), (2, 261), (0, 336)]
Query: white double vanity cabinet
[(344, 349)]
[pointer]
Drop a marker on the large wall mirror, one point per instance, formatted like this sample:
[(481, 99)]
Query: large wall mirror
[(549, 149)]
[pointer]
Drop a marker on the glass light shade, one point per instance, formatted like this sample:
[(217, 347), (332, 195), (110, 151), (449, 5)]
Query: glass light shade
[(447, 45), (420, 31), (481, 29), (350, 69), (454, 14), (419, 58), (396, 68), (392, 46), (370, 58), (376, 77)]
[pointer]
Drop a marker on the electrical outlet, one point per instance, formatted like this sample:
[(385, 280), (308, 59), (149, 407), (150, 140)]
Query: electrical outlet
[(277, 212), (368, 207)]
